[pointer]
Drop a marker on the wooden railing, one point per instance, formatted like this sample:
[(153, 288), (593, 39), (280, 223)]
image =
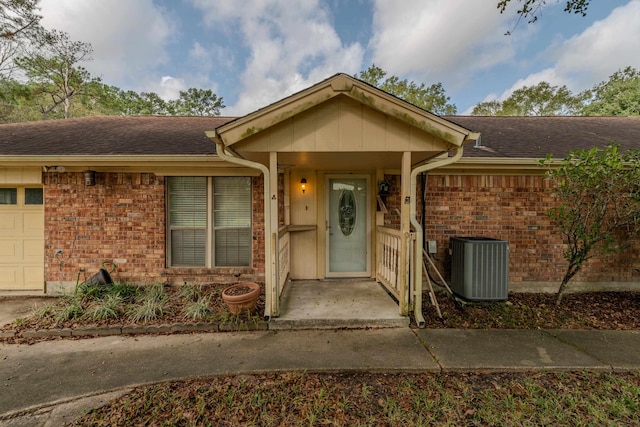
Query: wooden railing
[(284, 258), (389, 246)]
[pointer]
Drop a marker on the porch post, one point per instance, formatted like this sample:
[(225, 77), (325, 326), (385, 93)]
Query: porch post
[(272, 241), (405, 228)]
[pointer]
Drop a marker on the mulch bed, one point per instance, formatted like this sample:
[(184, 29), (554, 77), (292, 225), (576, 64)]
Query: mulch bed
[(591, 310)]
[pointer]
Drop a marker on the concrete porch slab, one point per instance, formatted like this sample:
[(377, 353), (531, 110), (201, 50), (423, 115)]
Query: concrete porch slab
[(337, 304)]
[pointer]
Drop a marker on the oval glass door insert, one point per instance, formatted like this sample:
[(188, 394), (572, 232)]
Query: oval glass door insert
[(347, 212)]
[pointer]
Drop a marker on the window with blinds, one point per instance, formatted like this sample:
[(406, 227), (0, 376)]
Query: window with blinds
[(232, 220), (205, 212)]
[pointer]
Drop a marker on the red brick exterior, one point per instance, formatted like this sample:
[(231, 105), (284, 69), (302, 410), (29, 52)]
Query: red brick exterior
[(512, 208), (122, 219)]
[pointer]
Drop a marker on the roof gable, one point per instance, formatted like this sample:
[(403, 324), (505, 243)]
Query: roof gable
[(342, 85)]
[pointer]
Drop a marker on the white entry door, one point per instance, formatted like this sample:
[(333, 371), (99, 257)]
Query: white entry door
[(348, 235)]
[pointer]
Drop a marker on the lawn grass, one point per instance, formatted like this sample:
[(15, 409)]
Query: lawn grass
[(455, 399)]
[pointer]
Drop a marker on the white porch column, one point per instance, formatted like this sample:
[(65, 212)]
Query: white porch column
[(272, 256), (405, 228)]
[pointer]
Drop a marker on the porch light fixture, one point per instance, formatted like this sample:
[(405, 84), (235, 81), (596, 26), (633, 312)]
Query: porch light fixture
[(303, 184)]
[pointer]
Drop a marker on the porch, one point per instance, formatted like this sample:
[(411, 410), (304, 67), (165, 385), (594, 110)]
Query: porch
[(339, 303), (324, 153)]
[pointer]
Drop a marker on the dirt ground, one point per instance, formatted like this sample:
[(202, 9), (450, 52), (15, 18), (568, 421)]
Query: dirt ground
[(12, 307)]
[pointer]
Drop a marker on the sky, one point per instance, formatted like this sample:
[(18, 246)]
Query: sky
[(254, 52)]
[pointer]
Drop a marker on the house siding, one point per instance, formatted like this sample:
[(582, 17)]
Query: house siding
[(122, 219)]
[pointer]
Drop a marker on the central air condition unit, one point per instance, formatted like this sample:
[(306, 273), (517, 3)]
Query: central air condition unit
[(480, 268)]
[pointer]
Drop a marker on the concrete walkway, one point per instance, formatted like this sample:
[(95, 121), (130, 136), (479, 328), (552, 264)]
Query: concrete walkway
[(48, 383)]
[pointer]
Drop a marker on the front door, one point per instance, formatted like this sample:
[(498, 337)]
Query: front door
[(348, 236)]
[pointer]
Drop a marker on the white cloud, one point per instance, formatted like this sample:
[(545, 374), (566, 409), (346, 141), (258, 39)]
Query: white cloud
[(168, 87), (292, 46), (592, 56), (441, 40), (548, 75), (129, 38), (603, 48)]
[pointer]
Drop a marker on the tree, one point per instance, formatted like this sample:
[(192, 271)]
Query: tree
[(619, 96), (530, 9), (16, 102), (56, 72), (539, 100), (598, 204), (196, 102), (19, 29), (432, 98), (18, 17)]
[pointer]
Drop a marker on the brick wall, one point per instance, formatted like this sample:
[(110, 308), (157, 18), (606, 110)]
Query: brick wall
[(122, 218), (512, 208)]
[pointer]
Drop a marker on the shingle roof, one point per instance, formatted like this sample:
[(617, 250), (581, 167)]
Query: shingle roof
[(109, 135), (535, 137), (501, 137)]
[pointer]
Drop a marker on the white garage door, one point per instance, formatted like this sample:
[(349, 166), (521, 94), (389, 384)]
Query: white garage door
[(21, 239)]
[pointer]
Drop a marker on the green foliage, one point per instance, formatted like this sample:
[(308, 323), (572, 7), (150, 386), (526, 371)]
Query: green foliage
[(598, 203), (190, 292), (124, 290), (538, 100), (150, 304), (55, 71), (72, 309), (43, 312), (432, 98), (196, 102), (618, 96), (198, 309), (16, 102), (106, 308), (18, 18), (20, 31)]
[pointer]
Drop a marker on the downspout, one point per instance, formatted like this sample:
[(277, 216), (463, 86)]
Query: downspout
[(221, 151), (417, 259)]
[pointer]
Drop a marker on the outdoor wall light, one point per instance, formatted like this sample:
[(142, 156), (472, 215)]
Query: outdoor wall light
[(303, 184), (89, 178)]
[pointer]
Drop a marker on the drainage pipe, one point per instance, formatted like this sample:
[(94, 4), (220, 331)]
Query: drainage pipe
[(268, 265), (417, 259)]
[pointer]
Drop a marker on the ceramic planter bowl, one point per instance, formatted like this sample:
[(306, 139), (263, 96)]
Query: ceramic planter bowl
[(241, 296)]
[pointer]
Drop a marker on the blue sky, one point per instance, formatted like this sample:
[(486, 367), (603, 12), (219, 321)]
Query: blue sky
[(254, 52)]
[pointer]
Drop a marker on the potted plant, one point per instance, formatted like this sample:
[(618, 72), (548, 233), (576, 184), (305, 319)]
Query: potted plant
[(241, 296)]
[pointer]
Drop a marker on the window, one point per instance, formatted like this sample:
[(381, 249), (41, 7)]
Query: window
[(33, 196), (8, 196), (209, 221)]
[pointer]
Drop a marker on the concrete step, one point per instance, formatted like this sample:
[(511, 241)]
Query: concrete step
[(337, 304)]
